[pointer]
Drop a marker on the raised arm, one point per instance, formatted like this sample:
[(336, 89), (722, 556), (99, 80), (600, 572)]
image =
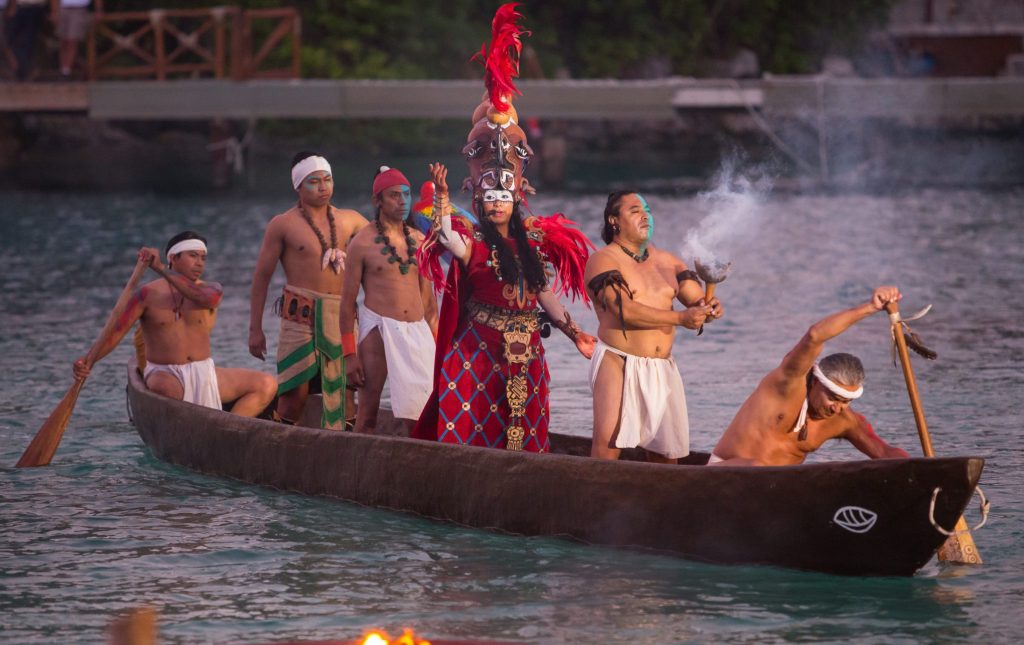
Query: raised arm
[(206, 294), (270, 252), (460, 247), (801, 358)]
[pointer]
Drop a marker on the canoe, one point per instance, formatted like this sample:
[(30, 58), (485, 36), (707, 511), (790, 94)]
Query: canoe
[(852, 518)]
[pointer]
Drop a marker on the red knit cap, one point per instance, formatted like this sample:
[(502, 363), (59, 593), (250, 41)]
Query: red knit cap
[(386, 178)]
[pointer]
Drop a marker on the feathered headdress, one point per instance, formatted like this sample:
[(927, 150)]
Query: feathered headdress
[(500, 57)]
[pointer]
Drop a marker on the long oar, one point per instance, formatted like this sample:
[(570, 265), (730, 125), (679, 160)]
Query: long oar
[(44, 444), (960, 547)]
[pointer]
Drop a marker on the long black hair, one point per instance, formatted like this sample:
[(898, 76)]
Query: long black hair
[(611, 209), (529, 262)]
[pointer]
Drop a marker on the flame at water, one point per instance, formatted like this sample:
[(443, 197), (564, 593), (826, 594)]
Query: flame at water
[(382, 638)]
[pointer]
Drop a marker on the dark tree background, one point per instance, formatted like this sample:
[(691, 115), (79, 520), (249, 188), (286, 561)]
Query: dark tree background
[(584, 38)]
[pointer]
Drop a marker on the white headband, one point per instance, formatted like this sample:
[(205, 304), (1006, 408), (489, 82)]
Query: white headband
[(185, 245), (832, 387), (308, 165)]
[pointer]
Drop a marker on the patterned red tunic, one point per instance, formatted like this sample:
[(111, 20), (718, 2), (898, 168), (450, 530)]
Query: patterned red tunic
[(474, 378), (472, 404)]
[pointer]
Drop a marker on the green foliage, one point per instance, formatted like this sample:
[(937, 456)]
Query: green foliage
[(587, 38)]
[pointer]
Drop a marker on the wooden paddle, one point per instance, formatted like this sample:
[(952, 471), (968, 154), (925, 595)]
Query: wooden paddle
[(44, 444), (960, 547)]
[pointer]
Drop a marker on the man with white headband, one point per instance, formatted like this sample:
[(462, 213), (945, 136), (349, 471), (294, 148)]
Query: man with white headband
[(309, 240), (804, 402), (398, 316), (177, 314)]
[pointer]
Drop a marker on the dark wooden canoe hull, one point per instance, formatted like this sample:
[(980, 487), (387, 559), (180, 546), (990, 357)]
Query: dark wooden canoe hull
[(798, 516)]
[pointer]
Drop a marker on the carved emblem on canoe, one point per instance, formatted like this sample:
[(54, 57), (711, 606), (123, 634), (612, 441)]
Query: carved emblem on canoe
[(855, 519)]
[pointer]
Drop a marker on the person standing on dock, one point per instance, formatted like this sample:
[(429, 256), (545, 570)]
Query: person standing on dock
[(309, 240), (639, 399), (177, 314), (804, 402), (398, 319), (490, 374)]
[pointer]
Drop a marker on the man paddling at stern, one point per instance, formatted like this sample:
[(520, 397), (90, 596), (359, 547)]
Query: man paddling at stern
[(398, 319), (309, 240), (177, 314), (803, 403)]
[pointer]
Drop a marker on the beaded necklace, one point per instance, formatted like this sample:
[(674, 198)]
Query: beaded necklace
[(331, 254), (390, 251), (636, 258)]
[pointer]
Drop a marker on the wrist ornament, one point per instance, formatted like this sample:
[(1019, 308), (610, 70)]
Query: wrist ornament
[(568, 327), (348, 344)]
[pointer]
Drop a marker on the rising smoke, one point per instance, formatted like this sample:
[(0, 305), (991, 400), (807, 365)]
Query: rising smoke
[(733, 216)]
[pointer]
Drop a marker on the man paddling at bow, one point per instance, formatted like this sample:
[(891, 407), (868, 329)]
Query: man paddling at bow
[(177, 314), (804, 402), (309, 240)]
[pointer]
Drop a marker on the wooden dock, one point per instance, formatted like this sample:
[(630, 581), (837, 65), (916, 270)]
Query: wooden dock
[(812, 96)]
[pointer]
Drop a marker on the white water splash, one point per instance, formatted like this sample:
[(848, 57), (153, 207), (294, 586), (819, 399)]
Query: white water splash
[(733, 216)]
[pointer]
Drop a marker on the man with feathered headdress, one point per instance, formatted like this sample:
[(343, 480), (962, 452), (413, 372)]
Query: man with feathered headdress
[(491, 379)]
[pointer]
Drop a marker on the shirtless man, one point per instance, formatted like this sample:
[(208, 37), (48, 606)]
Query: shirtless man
[(802, 403), (178, 312), (640, 401), (398, 319), (309, 241)]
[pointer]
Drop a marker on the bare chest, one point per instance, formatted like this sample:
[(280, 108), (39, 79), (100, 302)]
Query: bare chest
[(650, 282), (172, 310)]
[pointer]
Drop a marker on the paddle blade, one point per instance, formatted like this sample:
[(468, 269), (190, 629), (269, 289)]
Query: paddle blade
[(960, 548), (44, 444)]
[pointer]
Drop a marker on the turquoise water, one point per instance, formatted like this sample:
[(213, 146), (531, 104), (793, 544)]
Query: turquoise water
[(107, 527)]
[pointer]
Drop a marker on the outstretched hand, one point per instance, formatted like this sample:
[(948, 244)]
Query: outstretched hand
[(586, 344), (884, 295), (439, 175)]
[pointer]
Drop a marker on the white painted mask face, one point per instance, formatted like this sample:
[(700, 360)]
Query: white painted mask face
[(497, 196)]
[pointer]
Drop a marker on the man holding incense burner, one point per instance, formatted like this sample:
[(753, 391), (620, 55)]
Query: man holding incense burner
[(638, 392), (309, 241)]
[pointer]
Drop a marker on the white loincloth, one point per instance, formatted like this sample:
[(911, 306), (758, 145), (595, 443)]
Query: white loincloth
[(653, 414), (198, 379), (714, 459), (409, 353)]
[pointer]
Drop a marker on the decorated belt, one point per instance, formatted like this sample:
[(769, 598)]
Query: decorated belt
[(297, 308), (501, 319)]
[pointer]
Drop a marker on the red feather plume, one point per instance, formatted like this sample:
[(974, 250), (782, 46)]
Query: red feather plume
[(567, 249), (501, 56)]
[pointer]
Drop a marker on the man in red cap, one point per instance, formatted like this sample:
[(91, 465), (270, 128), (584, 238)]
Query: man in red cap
[(398, 319)]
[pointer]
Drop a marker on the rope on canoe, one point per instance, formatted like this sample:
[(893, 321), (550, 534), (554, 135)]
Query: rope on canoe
[(985, 507)]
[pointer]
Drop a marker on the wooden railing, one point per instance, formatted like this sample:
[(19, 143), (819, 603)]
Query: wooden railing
[(214, 42)]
